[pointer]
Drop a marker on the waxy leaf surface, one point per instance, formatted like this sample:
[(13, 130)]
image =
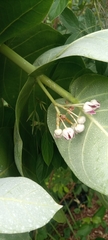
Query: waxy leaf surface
[(94, 46), (25, 205)]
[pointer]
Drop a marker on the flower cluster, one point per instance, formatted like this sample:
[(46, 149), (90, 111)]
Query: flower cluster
[(77, 122)]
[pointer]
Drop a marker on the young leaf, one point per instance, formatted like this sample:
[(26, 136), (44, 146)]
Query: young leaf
[(86, 154), (25, 205)]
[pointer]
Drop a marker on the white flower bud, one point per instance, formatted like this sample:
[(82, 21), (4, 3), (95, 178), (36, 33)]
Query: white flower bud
[(58, 133), (88, 108), (79, 128), (81, 119), (68, 133)]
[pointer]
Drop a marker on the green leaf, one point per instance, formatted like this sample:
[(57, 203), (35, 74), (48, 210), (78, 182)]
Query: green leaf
[(33, 47), (56, 8), (100, 212), (86, 154), (96, 220), (29, 205), (41, 168), (12, 77), (104, 199), (12, 80), (90, 21), (94, 46), (74, 36), (60, 217), (20, 236), (101, 67), (20, 17), (7, 165), (47, 147), (85, 229), (69, 20), (21, 103)]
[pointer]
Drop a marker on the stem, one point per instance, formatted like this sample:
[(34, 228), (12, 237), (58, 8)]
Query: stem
[(21, 62), (71, 228), (70, 213), (55, 230), (51, 236), (29, 68), (46, 92), (55, 87)]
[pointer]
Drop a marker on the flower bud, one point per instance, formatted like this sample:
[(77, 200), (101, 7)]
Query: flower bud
[(95, 103), (90, 107), (79, 128), (68, 133), (81, 119), (58, 133)]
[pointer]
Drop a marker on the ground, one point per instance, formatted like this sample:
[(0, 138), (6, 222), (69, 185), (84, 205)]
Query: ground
[(86, 211)]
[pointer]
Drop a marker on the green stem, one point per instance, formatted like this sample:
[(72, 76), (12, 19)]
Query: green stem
[(21, 62), (55, 87), (70, 213), (51, 236), (55, 230), (71, 228), (29, 68), (46, 92)]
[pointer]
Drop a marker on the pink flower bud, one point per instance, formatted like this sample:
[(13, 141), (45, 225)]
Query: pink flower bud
[(90, 107), (58, 133), (79, 128), (95, 103), (68, 133)]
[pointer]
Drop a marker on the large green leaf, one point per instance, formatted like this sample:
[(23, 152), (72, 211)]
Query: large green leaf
[(35, 42), (56, 8), (87, 153), (18, 17), (94, 46), (25, 205)]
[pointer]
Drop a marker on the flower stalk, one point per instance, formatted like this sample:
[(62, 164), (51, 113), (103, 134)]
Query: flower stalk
[(55, 87)]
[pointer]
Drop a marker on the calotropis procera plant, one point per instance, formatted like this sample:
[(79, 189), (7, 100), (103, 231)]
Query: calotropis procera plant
[(77, 121)]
